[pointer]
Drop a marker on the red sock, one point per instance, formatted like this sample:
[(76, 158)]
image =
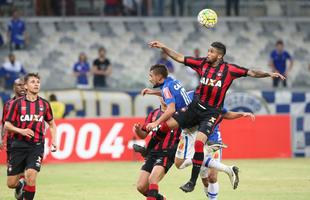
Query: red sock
[(197, 160), (29, 192), (153, 191)]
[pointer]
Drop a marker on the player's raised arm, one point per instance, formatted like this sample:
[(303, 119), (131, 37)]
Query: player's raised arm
[(150, 92), (262, 74), (171, 53)]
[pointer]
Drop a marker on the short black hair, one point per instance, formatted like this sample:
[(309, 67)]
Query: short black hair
[(53, 97), (27, 76), (220, 47), (279, 42), (160, 69)]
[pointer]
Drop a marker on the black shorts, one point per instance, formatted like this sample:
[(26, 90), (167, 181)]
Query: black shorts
[(23, 156), (206, 118), (157, 160)]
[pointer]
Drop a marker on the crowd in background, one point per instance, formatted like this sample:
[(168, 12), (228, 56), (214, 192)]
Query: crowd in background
[(114, 7)]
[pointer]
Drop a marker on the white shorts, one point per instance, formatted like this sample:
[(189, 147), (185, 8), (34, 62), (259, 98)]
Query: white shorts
[(186, 150)]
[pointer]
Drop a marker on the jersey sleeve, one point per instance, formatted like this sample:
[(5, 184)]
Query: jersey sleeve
[(4, 111), (12, 113), (168, 95), (237, 71), (224, 111), (288, 56), (194, 63), (49, 113), (147, 120)]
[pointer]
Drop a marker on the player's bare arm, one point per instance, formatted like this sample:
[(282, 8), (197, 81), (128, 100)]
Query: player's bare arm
[(262, 74), (138, 130), (1, 138), (235, 115), (164, 117), (52, 127), (150, 92), (171, 53), (25, 132)]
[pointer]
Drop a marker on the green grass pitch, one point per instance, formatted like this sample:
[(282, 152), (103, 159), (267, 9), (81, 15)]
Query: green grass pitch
[(272, 179)]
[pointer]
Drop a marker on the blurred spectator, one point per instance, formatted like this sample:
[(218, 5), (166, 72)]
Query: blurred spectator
[(196, 53), (81, 70), (130, 7), (101, 69), (158, 8), (56, 7), (177, 4), (17, 35), (112, 7), (43, 8), (230, 4), (165, 61), (1, 40), (146, 7), (278, 59), (58, 107), (11, 70)]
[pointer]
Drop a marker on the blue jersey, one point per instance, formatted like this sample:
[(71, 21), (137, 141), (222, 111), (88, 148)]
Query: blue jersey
[(216, 135), (173, 92), (83, 68), (279, 60), (17, 28)]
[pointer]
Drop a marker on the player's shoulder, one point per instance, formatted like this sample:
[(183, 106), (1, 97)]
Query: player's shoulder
[(44, 100)]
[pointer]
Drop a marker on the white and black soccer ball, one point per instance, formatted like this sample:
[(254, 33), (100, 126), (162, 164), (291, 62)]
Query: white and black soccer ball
[(207, 18)]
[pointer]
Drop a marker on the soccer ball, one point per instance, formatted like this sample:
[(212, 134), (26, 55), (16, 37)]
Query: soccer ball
[(207, 18)]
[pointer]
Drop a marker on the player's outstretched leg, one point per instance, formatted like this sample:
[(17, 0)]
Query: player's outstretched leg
[(231, 171), (197, 162)]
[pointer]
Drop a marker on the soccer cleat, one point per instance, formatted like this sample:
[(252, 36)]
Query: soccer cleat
[(140, 149), (234, 176), (188, 187), (19, 191)]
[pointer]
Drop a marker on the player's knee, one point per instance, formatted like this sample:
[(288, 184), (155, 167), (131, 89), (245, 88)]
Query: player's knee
[(153, 180), (31, 180), (142, 188), (12, 183), (212, 178), (178, 163)]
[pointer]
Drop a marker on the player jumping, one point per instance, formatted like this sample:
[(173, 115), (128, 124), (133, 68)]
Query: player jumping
[(216, 76)]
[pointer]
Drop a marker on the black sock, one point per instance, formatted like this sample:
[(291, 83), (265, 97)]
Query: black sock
[(19, 186), (152, 192), (159, 197), (197, 161)]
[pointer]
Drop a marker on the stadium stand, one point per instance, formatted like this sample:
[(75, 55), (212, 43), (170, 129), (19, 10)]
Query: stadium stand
[(56, 42)]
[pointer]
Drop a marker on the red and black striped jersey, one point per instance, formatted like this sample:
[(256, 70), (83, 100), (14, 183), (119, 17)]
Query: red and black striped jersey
[(6, 109), (30, 114), (172, 138), (214, 81), (4, 113)]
